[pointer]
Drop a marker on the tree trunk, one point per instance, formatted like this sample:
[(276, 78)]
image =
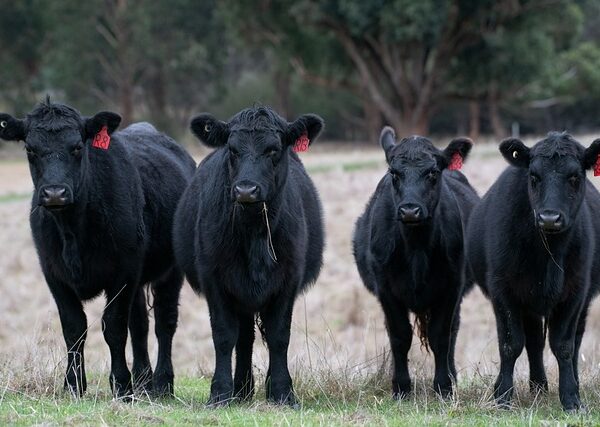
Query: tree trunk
[(158, 99), (373, 119), (283, 83), (474, 117), (125, 67), (495, 120)]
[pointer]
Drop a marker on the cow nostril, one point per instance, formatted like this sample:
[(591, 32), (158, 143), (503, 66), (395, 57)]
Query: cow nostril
[(246, 193), (410, 213), (550, 220)]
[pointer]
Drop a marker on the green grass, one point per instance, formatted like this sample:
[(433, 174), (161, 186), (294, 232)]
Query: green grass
[(346, 167), (14, 197), (330, 402)]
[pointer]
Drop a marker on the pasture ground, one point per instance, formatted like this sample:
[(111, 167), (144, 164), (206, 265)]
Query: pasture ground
[(339, 353)]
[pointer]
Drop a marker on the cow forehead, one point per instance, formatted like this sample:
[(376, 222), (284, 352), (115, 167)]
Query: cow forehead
[(253, 137), (555, 163), (67, 135), (414, 157)]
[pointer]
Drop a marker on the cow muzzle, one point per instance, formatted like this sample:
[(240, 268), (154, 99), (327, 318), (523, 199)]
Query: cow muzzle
[(55, 197), (246, 193), (411, 214), (550, 221)]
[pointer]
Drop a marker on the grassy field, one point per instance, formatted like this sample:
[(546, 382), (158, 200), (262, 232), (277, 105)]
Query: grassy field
[(361, 402), (338, 352)]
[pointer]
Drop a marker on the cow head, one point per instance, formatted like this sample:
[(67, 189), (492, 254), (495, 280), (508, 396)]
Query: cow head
[(415, 168), (258, 144), (56, 139), (556, 169)]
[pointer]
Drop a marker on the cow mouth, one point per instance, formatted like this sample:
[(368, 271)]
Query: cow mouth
[(57, 207), (245, 204), (412, 222), (552, 230)]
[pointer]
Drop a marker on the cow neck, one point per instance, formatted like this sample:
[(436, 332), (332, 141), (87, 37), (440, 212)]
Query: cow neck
[(417, 237), (69, 224), (251, 221)]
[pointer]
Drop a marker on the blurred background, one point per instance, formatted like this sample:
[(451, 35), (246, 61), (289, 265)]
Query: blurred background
[(429, 66), (483, 68)]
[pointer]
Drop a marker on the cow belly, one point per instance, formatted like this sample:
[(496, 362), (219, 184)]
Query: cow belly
[(96, 275)]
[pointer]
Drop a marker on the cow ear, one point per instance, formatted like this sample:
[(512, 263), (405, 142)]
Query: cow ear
[(12, 129), (310, 125), (210, 131), (94, 124), (387, 140), (590, 156), (456, 153), (515, 152)]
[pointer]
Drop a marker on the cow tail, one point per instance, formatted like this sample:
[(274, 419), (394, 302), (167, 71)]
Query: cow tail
[(421, 323), (545, 318), (261, 327)]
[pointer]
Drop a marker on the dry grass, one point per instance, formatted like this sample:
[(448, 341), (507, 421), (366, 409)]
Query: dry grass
[(338, 352)]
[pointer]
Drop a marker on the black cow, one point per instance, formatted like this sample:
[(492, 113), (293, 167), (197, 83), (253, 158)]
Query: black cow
[(249, 235), (408, 246), (531, 245), (101, 218)]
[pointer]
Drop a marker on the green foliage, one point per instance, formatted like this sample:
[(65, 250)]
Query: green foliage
[(164, 61)]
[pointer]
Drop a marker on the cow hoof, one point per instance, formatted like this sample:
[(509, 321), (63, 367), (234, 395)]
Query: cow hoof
[(123, 393), (76, 390), (582, 409), (573, 405), (286, 398), (219, 400), (244, 394), (142, 381), (400, 395), (538, 386), (163, 385), (504, 404), (443, 389)]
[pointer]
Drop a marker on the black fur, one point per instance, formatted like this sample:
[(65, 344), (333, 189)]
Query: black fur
[(223, 244), (110, 230), (417, 267), (533, 273)]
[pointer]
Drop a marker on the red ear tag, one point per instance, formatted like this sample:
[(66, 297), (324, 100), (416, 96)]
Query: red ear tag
[(456, 162), (597, 166), (301, 144), (102, 139)]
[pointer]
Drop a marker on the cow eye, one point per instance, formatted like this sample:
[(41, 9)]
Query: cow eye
[(534, 180), (395, 174), (574, 180), (432, 175), (77, 149), (271, 152), (29, 151), (234, 152)]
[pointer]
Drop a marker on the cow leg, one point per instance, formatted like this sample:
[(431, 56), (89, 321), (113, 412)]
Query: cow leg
[(400, 334), (277, 322), (578, 337), (533, 328), (441, 333), (138, 328), (74, 327), (115, 320), (243, 384), (225, 330), (562, 332), (511, 341), (166, 292)]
